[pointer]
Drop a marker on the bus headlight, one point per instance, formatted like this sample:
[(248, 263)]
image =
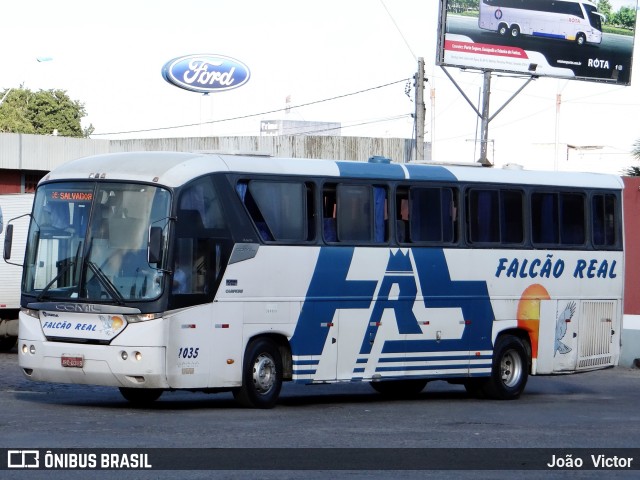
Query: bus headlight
[(31, 312), (142, 317)]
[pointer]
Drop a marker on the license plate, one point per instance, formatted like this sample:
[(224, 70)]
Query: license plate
[(74, 361)]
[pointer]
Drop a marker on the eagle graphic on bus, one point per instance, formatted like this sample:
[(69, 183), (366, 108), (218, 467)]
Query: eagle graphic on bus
[(561, 328)]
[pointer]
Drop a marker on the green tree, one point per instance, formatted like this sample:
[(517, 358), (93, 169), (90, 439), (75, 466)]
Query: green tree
[(42, 113), (635, 153), (604, 7), (626, 17)]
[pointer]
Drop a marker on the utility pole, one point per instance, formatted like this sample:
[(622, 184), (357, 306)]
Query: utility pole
[(420, 110), (484, 117)]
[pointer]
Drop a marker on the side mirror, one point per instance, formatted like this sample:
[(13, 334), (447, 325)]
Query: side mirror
[(154, 247), (8, 240)]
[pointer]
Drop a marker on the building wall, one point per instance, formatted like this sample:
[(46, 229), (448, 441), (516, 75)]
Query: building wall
[(34, 155), (632, 244), (631, 321), (10, 181)]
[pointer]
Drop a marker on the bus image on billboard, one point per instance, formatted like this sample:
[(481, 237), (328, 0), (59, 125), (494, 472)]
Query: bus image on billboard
[(573, 20)]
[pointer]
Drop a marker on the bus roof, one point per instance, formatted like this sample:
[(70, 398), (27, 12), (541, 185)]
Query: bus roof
[(173, 169)]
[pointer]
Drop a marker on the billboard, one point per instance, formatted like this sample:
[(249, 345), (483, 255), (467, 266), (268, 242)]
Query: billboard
[(552, 38)]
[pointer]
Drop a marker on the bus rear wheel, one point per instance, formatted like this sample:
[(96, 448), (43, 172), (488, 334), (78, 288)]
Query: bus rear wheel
[(261, 375), (515, 31), (503, 28), (141, 396), (509, 371)]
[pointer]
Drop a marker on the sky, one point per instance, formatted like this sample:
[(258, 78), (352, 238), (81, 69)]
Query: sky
[(109, 56)]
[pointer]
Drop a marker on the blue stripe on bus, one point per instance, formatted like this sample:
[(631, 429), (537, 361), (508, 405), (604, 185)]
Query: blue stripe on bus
[(430, 172), (442, 358), (304, 372), (548, 35), (370, 170), (402, 368), (306, 362)]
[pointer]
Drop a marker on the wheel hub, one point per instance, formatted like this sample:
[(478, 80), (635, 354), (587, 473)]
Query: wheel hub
[(264, 373)]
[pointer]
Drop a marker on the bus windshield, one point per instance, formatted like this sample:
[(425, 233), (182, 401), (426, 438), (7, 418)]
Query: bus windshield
[(88, 241), (595, 18)]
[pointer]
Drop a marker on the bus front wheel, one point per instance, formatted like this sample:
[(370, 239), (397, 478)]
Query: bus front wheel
[(581, 39), (261, 375), (509, 371)]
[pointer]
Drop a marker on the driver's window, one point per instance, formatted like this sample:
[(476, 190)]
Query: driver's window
[(199, 228)]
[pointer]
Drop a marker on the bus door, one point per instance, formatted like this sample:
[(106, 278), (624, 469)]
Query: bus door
[(342, 345)]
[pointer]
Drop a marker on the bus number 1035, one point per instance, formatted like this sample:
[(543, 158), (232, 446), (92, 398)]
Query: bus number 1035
[(188, 352)]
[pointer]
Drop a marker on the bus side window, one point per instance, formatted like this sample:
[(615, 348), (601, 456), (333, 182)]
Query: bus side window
[(572, 219), (329, 227), (200, 237), (402, 216), (483, 216), (544, 218), (279, 209), (361, 213), (603, 215), (511, 216), (254, 211)]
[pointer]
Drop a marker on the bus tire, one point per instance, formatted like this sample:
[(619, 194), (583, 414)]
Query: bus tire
[(581, 39), (515, 31), (400, 388), (509, 370), (141, 396), (503, 28), (261, 375)]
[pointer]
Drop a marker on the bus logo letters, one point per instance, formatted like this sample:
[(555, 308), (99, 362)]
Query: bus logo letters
[(550, 267)]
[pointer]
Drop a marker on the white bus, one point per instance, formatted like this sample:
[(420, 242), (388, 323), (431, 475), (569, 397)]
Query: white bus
[(164, 271), (575, 20)]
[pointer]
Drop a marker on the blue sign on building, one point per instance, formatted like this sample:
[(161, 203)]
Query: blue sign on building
[(206, 73)]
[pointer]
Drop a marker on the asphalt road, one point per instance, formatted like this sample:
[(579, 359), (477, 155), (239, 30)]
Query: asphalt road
[(592, 410)]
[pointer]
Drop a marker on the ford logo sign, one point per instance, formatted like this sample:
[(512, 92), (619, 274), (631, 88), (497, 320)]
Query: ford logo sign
[(206, 73)]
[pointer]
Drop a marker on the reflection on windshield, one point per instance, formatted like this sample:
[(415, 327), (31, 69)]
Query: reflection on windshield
[(89, 241)]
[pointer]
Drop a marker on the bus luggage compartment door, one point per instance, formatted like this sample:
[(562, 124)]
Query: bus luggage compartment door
[(577, 335)]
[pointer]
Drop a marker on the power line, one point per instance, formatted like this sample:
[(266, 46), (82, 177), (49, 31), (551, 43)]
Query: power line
[(242, 117), (399, 31)]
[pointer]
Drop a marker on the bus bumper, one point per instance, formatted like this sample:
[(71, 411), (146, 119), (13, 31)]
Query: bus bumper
[(114, 366)]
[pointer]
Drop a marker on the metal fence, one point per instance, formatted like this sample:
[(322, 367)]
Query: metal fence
[(43, 153)]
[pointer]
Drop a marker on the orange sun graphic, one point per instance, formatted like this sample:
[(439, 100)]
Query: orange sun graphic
[(529, 313)]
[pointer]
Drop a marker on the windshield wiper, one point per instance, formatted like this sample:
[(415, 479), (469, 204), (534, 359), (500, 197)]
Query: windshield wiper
[(106, 283), (64, 270)]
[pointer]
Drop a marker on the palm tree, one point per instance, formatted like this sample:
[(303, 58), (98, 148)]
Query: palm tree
[(635, 153)]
